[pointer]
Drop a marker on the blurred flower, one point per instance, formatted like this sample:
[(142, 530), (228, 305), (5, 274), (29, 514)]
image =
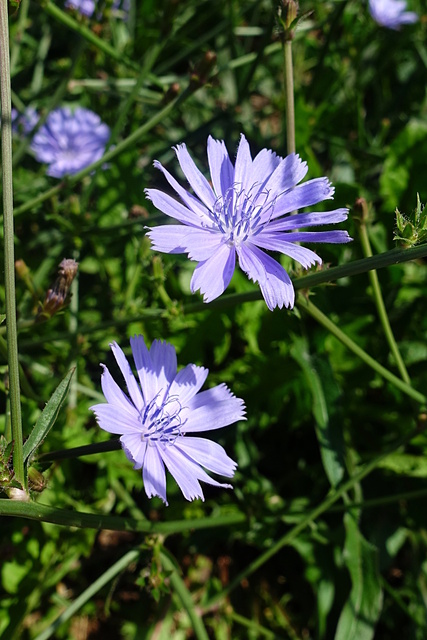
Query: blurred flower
[(24, 122), (56, 296), (70, 141), (391, 13), (160, 411), (247, 209), (87, 7)]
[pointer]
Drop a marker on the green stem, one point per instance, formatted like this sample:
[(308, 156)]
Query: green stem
[(185, 597), (356, 267), (9, 250), (315, 313), (86, 33), (62, 517), (109, 155), (290, 106), (382, 311), (84, 597), (333, 497)]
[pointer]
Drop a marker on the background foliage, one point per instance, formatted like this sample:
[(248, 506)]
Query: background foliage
[(316, 412)]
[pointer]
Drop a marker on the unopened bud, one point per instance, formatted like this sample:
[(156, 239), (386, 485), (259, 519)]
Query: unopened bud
[(56, 296), (202, 70), (18, 494), (361, 210), (36, 481)]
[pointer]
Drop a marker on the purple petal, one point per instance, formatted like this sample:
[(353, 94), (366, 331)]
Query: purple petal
[(220, 393), (213, 276), (308, 220), (334, 237), (274, 282), (200, 244), (154, 474), (243, 166), (209, 454), (134, 448), (213, 416), (144, 367), (173, 208), (303, 195), (288, 173), (196, 179), (163, 358), (131, 383), (183, 472), (115, 420), (112, 392), (264, 163), (221, 167), (187, 383), (276, 242), (188, 199)]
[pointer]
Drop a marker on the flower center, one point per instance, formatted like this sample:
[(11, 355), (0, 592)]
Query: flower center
[(240, 214), (161, 421)]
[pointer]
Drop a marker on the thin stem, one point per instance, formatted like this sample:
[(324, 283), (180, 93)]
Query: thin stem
[(105, 578), (315, 313), (290, 106), (379, 302), (86, 33), (9, 251), (333, 497), (185, 597)]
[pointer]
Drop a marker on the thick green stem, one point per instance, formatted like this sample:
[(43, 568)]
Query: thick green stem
[(382, 311), (9, 250), (315, 313), (290, 106), (45, 513)]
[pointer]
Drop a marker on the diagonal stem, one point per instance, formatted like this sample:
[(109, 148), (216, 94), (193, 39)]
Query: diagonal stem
[(358, 351), (379, 302)]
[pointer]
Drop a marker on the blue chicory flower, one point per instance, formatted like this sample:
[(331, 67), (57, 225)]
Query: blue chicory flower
[(247, 209), (87, 7), (24, 122), (69, 141), (391, 13), (159, 412)]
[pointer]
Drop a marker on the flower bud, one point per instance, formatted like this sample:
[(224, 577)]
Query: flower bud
[(56, 296)]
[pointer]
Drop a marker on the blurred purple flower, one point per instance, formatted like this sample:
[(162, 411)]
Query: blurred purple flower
[(161, 410), (24, 122), (247, 209), (87, 7), (391, 13), (69, 141)]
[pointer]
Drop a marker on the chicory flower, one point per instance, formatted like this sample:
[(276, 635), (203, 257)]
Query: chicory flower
[(247, 209), (159, 412)]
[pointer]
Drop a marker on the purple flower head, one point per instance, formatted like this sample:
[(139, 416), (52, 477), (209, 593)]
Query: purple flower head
[(391, 13), (159, 412), (70, 141), (248, 209), (24, 122), (87, 7)]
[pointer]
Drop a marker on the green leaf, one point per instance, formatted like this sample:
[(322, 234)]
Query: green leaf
[(406, 464), (363, 607), (48, 417), (328, 431)]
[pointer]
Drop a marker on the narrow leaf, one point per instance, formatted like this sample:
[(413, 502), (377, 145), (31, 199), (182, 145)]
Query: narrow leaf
[(48, 417), (363, 607), (328, 429)]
